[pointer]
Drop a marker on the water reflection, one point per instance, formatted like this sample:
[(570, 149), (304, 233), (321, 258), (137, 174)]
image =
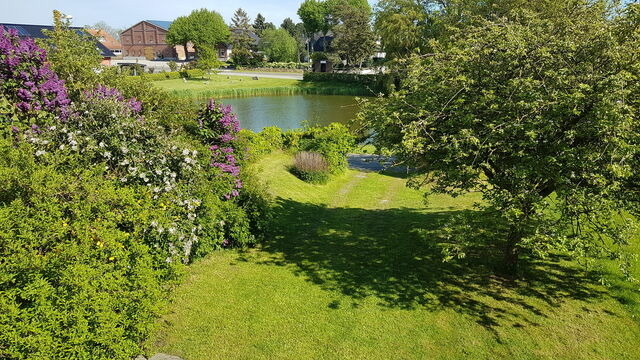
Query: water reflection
[(290, 112)]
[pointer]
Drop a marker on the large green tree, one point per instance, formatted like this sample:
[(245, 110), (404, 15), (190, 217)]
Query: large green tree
[(354, 38), (298, 32), (538, 110), (259, 24), (202, 28), (241, 38), (289, 25), (181, 33), (405, 26), (321, 16), (314, 15), (279, 46)]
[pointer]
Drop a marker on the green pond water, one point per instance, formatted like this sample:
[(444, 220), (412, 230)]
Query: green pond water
[(292, 112)]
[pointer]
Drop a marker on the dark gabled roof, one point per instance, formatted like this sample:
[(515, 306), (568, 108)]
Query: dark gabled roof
[(160, 23), (36, 32), (255, 38), (318, 45)]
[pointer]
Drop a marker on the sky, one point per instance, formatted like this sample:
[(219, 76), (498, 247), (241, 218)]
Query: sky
[(125, 13)]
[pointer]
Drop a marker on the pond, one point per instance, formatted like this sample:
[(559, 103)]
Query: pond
[(292, 112)]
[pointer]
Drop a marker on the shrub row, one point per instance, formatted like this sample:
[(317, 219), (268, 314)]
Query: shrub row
[(332, 142), (188, 74), (379, 83), (279, 65)]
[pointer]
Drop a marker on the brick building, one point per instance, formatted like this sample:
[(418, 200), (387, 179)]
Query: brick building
[(148, 38)]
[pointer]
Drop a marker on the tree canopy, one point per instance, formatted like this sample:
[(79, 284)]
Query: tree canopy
[(202, 28), (241, 38), (538, 110), (279, 46), (314, 15), (354, 38)]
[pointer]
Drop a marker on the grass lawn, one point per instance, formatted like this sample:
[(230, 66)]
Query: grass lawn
[(220, 86), (352, 270)]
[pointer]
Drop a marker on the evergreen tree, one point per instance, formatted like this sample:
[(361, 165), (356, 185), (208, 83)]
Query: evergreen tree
[(259, 25), (290, 26), (241, 38)]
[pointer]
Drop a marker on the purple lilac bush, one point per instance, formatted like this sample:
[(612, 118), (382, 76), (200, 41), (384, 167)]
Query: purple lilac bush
[(219, 128), (103, 93), (27, 79)]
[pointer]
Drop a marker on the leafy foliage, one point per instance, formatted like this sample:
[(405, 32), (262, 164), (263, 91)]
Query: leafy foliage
[(203, 28), (334, 142), (532, 110), (354, 38), (75, 279), (279, 46), (100, 209), (72, 54)]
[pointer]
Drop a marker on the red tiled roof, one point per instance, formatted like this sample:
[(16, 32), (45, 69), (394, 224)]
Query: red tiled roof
[(106, 39)]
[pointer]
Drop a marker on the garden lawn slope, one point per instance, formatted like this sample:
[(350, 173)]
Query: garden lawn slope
[(220, 86), (352, 270)]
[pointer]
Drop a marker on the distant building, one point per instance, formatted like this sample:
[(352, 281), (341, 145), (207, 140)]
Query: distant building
[(320, 42), (148, 39), (36, 32), (107, 40)]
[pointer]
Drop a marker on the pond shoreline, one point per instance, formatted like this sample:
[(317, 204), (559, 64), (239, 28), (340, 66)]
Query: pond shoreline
[(220, 86)]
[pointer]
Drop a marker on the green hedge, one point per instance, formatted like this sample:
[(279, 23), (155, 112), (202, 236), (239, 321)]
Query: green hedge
[(333, 141), (380, 83), (189, 74), (277, 66)]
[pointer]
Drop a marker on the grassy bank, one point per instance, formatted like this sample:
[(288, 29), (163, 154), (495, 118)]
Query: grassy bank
[(353, 270), (221, 86)]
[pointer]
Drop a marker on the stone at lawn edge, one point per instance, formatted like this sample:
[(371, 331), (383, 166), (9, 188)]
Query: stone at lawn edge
[(164, 357)]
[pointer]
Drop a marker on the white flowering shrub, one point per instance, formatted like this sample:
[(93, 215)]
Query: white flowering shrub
[(179, 172)]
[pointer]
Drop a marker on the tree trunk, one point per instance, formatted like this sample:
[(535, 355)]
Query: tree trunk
[(511, 257), (512, 251)]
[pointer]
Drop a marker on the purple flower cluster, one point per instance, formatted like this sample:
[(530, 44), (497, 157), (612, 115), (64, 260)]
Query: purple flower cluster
[(219, 127), (27, 79), (102, 92)]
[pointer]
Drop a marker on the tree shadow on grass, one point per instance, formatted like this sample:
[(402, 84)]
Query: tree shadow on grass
[(395, 256)]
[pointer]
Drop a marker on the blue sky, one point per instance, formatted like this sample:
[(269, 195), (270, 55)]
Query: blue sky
[(124, 13)]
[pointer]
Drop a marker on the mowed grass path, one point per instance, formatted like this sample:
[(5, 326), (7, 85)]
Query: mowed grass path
[(220, 86), (353, 270)]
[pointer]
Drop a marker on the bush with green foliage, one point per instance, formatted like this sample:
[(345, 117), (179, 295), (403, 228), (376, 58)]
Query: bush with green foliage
[(333, 142), (311, 167), (76, 281), (287, 65), (377, 83), (279, 45), (100, 210)]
